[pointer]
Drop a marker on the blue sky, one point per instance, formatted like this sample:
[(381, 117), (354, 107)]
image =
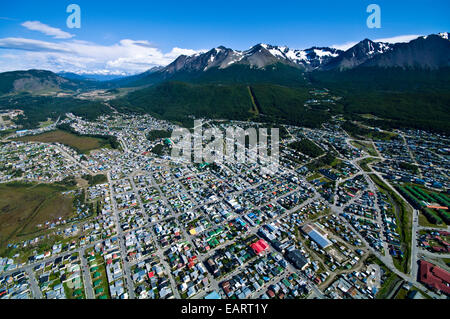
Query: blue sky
[(132, 36)]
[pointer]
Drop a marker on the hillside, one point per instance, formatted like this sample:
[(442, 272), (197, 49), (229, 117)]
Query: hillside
[(40, 108), (407, 97), (36, 82), (177, 100), (405, 84)]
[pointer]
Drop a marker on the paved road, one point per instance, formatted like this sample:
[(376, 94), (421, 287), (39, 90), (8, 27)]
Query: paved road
[(89, 291), (71, 158), (386, 258), (414, 259), (36, 291), (433, 255), (123, 251)]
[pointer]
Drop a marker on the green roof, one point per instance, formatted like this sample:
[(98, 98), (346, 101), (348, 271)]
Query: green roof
[(97, 282), (77, 292)]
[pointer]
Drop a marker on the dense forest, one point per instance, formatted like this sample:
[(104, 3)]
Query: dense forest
[(404, 97), (40, 108), (276, 94), (157, 134), (177, 100)]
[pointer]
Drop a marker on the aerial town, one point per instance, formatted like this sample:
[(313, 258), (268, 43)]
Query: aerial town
[(344, 217)]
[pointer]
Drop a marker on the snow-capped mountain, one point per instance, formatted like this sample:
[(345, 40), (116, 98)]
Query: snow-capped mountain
[(310, 58), (425, 52), (429, 52), (443, 35), (258, 56), (358, 54)]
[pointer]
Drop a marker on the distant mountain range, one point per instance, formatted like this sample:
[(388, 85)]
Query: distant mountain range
[(225, 64), (90, 77), (407, 83), (429, 52)]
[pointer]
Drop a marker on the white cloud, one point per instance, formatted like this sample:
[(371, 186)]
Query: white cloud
[(344, 46), (396, 39), (31, 45), (399, 39), (126, 56), (47, 30)]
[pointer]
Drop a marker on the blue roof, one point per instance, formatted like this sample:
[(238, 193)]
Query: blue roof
[(319, 239), (213, 295)]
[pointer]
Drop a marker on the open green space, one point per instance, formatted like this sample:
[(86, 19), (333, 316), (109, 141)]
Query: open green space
[(81, 144), (428, 202), (157, 134), (359, 131), (307, 147), (95, 179), (46, 123), (363, 163), (365, 146), (24, 206)]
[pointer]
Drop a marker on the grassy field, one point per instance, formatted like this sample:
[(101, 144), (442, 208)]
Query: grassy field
[(423, 221), (403, 293), (46, 123), (365, 146), (363, 163), (24, 206), (82, 144), (5, 133)]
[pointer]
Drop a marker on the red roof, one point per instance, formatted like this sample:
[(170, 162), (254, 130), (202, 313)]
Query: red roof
[(434, 277), (259, 246)]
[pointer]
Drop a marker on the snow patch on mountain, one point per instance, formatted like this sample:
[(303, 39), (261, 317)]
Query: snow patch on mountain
[(443, 35)]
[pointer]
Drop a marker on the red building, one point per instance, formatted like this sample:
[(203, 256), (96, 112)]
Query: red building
[(260, 246), (434, 277)]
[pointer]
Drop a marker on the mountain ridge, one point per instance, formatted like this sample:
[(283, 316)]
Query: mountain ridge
[(313, 59), (429, 52)]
